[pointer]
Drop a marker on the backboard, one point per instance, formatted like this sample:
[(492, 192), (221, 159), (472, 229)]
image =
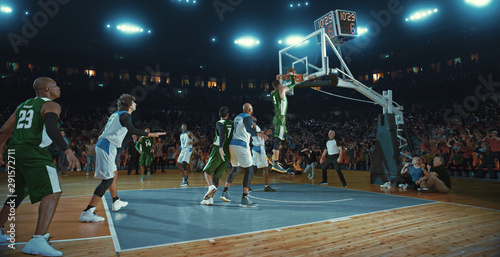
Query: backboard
[(309, 58)]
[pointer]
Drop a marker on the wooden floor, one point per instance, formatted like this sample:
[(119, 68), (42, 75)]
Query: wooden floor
[(465, 222)]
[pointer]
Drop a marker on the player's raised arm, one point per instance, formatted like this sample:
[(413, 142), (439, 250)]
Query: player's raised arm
[(126, 121), (283, 90)]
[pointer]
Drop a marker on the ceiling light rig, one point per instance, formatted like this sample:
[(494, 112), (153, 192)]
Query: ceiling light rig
[(421, 15)]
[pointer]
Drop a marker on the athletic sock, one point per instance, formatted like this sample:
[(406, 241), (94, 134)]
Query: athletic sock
[(115, 198), (244, 195), (88, 207), (225, 189)]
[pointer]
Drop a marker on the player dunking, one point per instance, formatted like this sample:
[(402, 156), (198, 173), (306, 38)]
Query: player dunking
[(116, 129), (279, 120), (145, 148), (184, 152), (34, 127), (219, 156)]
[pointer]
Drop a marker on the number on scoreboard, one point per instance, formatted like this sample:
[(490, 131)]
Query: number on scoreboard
[(346, 23)]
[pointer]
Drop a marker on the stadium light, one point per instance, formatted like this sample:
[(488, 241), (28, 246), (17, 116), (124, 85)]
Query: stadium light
[(299, 4), (128, 28), (294, 39), (247, 42), (421, 15), (362, 30), (478, 3), (26, 12), (5, 9), (186, 1)]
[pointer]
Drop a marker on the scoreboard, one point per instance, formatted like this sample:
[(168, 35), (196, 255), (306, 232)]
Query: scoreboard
[(341, 26)]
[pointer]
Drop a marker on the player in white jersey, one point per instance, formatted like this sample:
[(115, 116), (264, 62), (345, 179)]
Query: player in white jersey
[(184, 152), (116, 129), (259, 155), (241, 156)]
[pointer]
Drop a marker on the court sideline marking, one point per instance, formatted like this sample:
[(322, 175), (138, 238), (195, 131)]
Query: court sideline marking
[(112, 230), (284, 201), (65, 240)]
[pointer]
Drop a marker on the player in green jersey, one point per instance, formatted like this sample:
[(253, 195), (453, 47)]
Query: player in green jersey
[(219, 156), (34, 126), (280, 103), (145, 148)]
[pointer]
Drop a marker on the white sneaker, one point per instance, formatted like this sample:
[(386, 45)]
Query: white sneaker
[(210, 193), (386, 185), (3, 237), (90, 216), (41, 245), (208, 201), (118, 204)]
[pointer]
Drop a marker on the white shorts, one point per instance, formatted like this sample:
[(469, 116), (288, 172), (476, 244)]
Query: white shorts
[(259, 157), (240, 156), (105, 159), (185, 155)]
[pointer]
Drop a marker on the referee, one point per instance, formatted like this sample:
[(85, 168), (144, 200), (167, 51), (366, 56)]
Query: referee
[(332, 154)]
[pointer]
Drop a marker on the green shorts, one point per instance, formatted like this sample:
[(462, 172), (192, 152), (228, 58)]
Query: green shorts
[(36, 173), (146, 159), (215, 165), (279, 123)]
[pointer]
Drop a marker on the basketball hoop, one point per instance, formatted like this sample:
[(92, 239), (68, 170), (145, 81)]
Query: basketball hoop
[(285, 81), (298, 77)]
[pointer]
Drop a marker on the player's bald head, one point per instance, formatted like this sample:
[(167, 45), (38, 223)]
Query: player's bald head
[(41, 83), (247, 108)]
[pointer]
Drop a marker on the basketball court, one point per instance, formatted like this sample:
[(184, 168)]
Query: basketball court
[(171, 216), (301, 217)]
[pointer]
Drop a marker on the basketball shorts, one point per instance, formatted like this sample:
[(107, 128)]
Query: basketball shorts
[(215, 165), (105, 159), (279, 123), (146, 159), (241, 156), (185, 155), (259, 157), (36, 173)]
